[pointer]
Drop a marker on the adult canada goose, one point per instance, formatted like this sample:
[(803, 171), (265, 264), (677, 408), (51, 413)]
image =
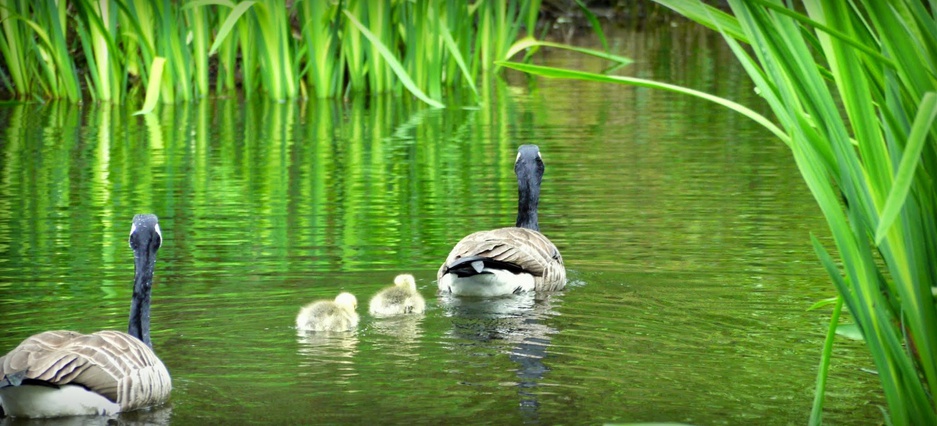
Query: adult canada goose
[(508, 260), (401, 298), (65, 373), (328, 315)]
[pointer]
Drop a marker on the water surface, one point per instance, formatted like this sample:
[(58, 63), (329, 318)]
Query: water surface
[(685, 229)]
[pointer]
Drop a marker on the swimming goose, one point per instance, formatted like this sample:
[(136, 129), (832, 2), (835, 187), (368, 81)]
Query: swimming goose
[(65, 373), (328, 315), (508, 260), (401, 298)]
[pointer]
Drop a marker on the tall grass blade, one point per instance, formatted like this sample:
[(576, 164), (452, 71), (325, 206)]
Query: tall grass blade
[(393, 63), (453, 49), (550, 72), (320, 34), (236, 12), (816, 412), (380, 76), (707, 16), (530, 42), (13, 45), (197, 20), (152, 88), (596, 26), (353, 46), (923, 122)]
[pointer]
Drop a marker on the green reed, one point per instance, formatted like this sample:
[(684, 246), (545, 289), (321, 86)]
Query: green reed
[(854, 94), (335, 48), (321, 42), (197, 20), (15, 40), (61, 78), (97, 26)]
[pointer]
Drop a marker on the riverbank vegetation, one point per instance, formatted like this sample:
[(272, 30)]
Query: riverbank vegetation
[(120, 50), (853, 89)]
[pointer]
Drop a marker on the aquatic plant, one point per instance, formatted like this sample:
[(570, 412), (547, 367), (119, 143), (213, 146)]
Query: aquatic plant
[(319, 48), (853, 89)]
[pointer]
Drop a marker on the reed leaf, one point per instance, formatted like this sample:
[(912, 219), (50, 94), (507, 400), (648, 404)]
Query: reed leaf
[(923, 122), (198, 24), (321, 39), (380, 75), (64, 75), (596, 26), (453, 48), (13, 45), (393, 63), (237, 11), (551, 72), (152, 88), (101, 21), (353, 45), (530, 42)]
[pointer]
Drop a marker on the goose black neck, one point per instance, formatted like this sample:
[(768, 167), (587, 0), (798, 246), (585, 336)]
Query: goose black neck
[(144, 263), (529, 171), (527, 200)]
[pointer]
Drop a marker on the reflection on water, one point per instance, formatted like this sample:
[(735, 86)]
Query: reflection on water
[(516, 323), (684, 226), (327, 357), (404, 329)]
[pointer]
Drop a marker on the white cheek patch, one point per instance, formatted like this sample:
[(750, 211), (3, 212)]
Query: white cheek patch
[(518, 157), (133, 228), (160, 234)]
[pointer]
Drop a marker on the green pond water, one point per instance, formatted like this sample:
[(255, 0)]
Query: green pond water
[(685, 229)]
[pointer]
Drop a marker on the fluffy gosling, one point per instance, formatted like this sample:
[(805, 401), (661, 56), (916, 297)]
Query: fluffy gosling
[(401, 298), (327, 315)]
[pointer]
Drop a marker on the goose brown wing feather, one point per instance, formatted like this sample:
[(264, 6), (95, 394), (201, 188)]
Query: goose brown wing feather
[(528, 249), (114, 364)]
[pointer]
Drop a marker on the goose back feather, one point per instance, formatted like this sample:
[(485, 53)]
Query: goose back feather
[(113, 364), (517, 250)]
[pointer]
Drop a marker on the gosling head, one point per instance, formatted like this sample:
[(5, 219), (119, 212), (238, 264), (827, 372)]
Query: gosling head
[(347, 301), (406, 281)]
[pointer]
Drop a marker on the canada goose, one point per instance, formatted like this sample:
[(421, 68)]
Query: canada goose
[(401, 298), (65, 373), (508, 260), (328, 315)]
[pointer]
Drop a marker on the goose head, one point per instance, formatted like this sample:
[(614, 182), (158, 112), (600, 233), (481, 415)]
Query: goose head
[(405, 281), (528, 166), (346, 301), (145, 240)]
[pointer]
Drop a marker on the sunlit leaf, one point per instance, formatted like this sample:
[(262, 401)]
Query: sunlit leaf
[(229, 23), (850, 331), (529, 42), (152, 86), (923, 122), (822, 303)]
